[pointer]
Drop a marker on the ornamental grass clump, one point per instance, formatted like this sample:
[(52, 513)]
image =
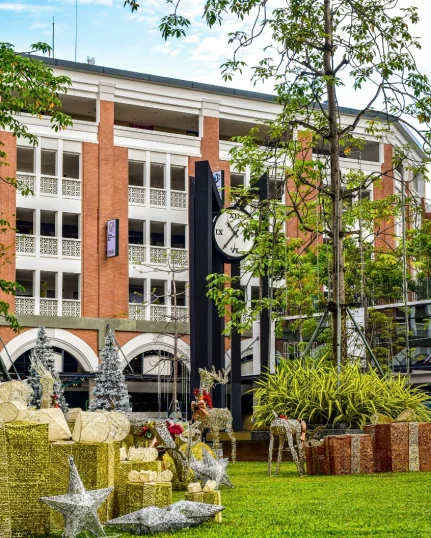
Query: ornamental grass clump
[(308, 390)]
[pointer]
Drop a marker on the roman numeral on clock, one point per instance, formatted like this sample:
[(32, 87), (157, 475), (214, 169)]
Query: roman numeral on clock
[(218, 231)]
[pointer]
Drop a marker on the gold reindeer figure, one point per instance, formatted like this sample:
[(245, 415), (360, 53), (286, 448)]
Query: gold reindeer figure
[(47, 382), (284, 429), (215, 419)]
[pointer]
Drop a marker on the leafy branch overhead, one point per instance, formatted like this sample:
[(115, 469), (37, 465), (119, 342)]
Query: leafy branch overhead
[(309, 50)]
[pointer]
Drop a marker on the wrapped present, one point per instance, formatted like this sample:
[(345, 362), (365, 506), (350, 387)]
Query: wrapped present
[(315, 458), (24, 478), (213, 497), (142, 494), (125, 467), (348, 454), (98, 465), (401, 446)]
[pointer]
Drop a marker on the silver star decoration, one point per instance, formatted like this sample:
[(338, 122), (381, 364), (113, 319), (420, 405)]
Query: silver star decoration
[(78, 506), (211, 469), (178, 516)]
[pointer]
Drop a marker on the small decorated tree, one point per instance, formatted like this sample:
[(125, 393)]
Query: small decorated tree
[(43, 351), (110, 389)]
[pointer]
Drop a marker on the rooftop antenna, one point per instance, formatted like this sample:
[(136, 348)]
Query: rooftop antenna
[(91, 61), (76, 27), (53, 38)]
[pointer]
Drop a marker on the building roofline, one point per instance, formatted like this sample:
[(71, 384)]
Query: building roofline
[(211, 88)]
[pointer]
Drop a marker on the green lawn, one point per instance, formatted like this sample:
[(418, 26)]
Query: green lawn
[(381, 505)]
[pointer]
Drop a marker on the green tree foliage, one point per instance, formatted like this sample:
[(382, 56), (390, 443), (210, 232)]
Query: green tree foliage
[(310, 48), (309, 391), (26, 85)]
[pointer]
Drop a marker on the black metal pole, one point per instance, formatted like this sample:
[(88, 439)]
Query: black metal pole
[(235, 362), (265, 322)]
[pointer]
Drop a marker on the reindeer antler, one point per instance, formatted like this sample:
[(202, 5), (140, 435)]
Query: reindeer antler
[(211, 378)]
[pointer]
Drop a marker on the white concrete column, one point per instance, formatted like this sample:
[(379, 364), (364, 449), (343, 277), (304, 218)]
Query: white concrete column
[(37, 168), (37, 233), (36, 291), (59, 232), (60, 168), (167, 226), (147, 177), (168, 177), (59, 291)]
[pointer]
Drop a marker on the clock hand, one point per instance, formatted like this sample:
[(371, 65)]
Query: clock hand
[(228, 241), (235, 230)]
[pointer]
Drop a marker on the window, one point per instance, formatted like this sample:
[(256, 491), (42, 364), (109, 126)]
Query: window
[(70, 226), (178, 178), (24, 221), (136, 232), (47, 224), (136, 173), (25, 160), (71, 165), (236, 180), (157, 176), (48, 163)]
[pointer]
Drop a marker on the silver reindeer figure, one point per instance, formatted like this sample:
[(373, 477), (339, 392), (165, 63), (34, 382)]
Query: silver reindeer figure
[(285, 429)]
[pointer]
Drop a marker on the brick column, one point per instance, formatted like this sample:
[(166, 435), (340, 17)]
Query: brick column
[(381, 190), (105, 282), (8, 212), (113, 204)]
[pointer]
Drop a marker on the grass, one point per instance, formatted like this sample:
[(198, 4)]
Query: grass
[(380, 505)]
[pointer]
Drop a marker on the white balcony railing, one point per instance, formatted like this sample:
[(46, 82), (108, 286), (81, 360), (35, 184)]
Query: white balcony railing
[(158, 255), (27, 180), (25, 306), (137, 253), (71, 308), (49, 185), (158, 312), (158, 197), (48, 307), (178, 199), (49, 246), (137, 311), (25, 244), (136, 195), (71, 248), (177, 257), (182, 313), (71, 187)]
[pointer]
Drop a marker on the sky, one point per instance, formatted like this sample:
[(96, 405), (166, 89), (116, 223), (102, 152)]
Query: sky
[(117, 38)]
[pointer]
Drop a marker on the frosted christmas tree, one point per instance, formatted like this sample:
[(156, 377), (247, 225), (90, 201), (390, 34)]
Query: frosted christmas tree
[(43, 351), (110, 388)]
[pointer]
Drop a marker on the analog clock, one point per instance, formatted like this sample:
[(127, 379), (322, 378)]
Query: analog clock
[(229, 234)]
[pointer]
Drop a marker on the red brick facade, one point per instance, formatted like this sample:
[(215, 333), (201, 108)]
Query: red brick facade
[(382, 190), (8, 212)]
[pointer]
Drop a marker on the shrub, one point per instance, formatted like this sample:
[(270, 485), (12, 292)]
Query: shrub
[(308, 390)]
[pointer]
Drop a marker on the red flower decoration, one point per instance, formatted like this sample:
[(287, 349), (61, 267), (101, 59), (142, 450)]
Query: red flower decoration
[(284, 416), (207, 399), (195, 391), (174, 429)]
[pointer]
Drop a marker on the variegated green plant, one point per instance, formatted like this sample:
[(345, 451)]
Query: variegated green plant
[(308, 390)]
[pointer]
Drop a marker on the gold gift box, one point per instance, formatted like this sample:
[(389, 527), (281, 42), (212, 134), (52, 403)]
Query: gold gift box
[(142, 494), (211, 497), (98, 465), (123, 479)]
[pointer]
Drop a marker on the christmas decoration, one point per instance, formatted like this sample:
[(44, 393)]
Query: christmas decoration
[(211, 499), (110, 388), (142, 494), (212, 418), (199, 511), (125, 467), (43, 352), (178, 516), (285, 429), (210, 468), (24, 477), (98, 465), (78, 506), (100, 427)]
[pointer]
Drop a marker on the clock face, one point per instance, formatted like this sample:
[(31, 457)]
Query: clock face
[(229, 234)]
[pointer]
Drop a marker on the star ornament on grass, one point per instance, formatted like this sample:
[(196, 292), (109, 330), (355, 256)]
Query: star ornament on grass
[(211, 469), (79, 506)]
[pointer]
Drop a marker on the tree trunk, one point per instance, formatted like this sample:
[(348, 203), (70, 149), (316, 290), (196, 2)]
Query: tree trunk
[(339, 335)]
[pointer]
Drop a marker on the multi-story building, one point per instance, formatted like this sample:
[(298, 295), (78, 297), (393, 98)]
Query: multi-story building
[(133, 145)]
